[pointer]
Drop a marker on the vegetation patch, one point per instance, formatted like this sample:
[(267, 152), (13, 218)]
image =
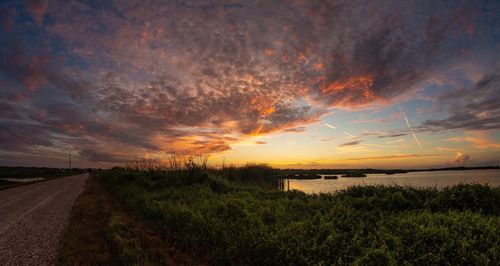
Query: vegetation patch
[(235, 221)]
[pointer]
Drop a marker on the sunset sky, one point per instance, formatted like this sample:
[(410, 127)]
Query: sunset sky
[(296, 84)]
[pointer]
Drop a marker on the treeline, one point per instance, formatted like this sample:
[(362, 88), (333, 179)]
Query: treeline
[(30, 172)]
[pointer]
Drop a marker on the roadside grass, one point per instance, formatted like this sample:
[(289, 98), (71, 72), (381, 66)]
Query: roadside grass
[(101, 233)]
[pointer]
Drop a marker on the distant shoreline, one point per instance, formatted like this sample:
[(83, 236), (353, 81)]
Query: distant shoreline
[(315, 173)]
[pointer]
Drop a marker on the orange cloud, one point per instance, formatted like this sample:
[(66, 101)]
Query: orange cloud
[(193, 144), (319, 66), (480, 140), (269, 52), (355, 91), (301, 56)]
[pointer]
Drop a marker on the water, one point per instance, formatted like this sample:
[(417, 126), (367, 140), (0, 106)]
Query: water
[(23, 180), (438, 179)]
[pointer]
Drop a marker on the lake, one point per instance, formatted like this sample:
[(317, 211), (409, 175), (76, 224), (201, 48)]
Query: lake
[(23, 180), (438, 179)]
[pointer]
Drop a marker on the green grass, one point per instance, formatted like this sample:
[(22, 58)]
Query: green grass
[(235, 222)]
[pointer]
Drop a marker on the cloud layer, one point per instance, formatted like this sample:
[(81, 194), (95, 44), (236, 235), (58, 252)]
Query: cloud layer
[(196, 77)]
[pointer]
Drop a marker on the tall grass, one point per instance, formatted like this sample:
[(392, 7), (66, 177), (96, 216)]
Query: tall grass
[(171, 164), (197, 167)]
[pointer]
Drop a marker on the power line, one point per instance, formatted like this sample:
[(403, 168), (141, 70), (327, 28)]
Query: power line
[(13, 134), (26, 142)]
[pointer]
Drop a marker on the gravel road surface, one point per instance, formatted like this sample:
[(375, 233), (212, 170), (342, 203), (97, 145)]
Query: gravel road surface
[(33, 217)]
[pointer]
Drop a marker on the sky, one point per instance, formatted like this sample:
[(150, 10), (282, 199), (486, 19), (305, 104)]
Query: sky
[(295, 84)]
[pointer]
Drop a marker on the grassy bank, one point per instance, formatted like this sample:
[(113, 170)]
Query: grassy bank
[(230, 221)]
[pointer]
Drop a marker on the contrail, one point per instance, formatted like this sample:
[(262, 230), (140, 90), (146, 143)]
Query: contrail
[(411, 129), (330, 126), (349, 134), (345, 132)]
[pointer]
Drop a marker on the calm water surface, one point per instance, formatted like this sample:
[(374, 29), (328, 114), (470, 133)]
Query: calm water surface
[(437, 179), (22, 180)]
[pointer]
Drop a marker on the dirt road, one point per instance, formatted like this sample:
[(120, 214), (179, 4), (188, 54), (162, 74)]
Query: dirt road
[(33, 217)]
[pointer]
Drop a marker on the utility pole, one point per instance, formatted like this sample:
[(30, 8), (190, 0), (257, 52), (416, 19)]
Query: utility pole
[(69, 157)]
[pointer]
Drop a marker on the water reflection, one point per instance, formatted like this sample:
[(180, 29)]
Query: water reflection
[(437, 179), (22, 180)]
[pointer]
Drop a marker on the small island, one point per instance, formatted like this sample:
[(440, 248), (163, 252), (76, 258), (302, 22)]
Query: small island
[(303, 176), (354, 175)]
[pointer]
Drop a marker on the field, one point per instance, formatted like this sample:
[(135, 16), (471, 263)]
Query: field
[(227, 219)]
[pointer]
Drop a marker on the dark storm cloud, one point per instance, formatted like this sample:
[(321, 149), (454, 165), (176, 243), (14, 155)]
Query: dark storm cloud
[(475, 108), (197, 77)]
